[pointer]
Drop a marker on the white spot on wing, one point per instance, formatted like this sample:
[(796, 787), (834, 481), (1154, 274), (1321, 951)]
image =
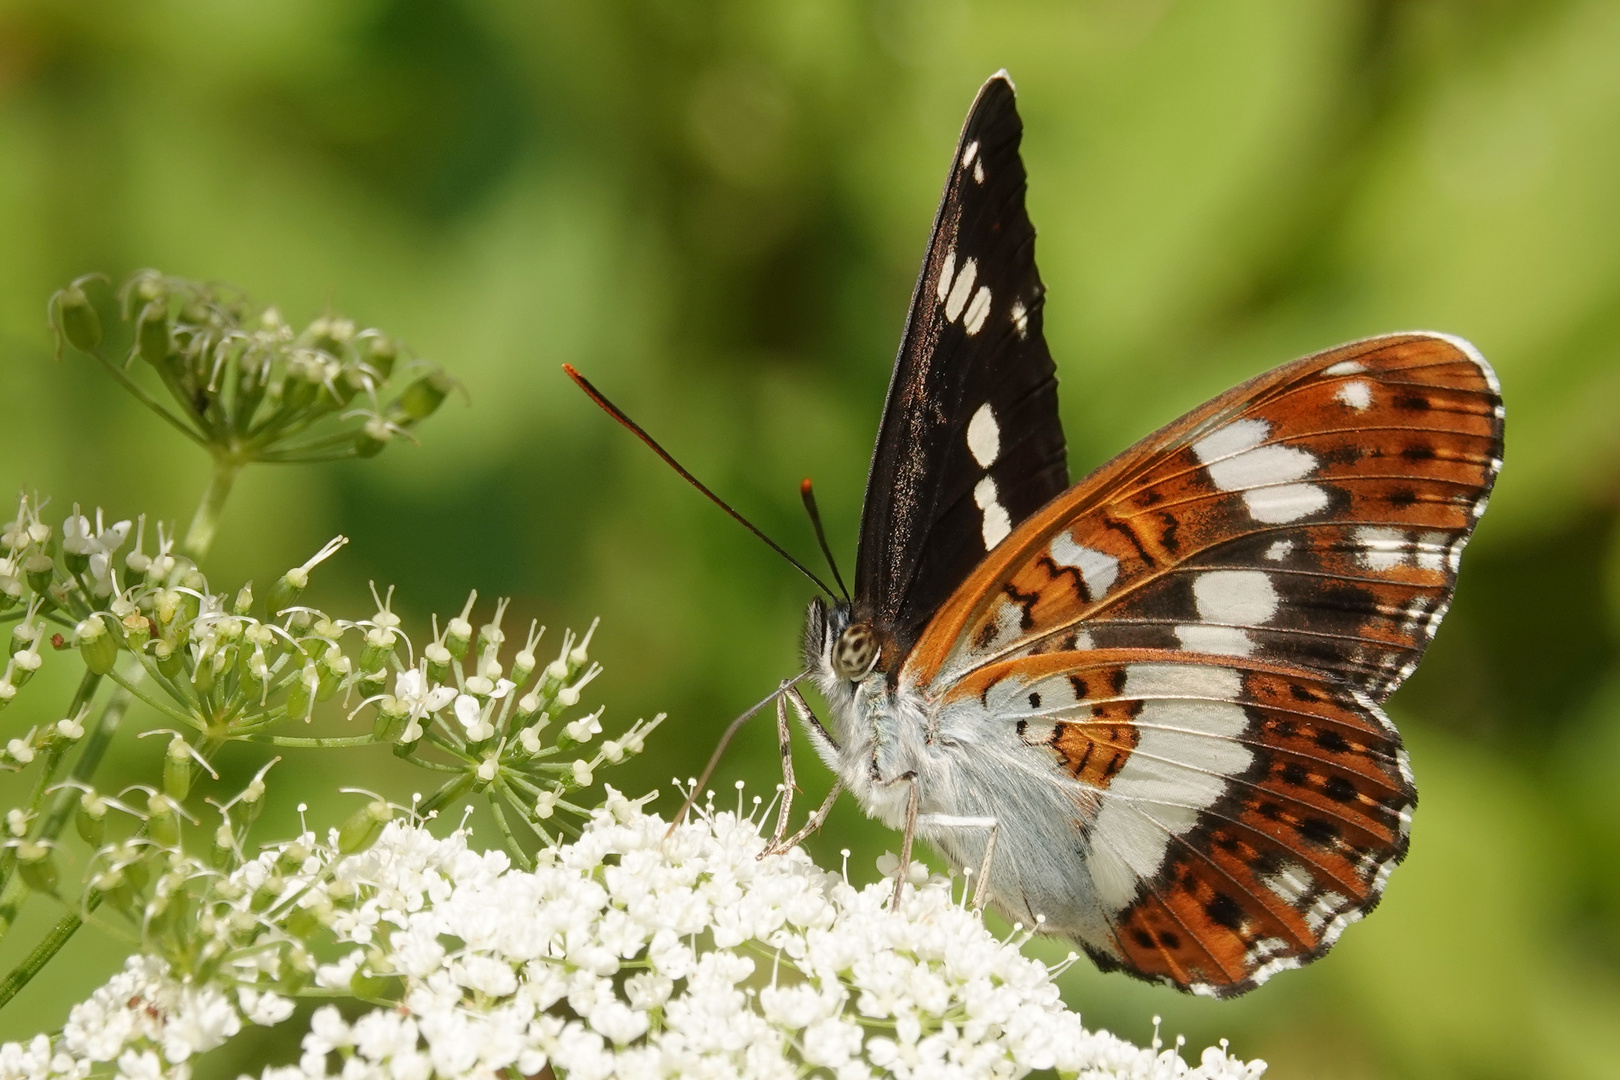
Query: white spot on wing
[(1020, 318), (977, 310), (1236, 461), (996, 522), (1381, 548), (1279, 550), (978, 171), (1242, 597), (1289, 502), (1098, 569), (1179, 769), (970, 153), (960, 290), (1357, 395), (1260, 466), (983, 437), (1345, 367), (1234, 438), (1216, 640), (1182, 681), (946, 271)]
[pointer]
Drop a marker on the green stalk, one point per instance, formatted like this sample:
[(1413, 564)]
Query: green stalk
[(65, 928), (200, 535)]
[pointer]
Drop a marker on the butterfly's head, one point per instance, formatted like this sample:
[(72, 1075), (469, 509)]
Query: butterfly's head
[(838, 648)]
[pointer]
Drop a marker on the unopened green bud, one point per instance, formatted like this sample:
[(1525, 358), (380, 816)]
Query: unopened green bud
[(90, 818), (334, 668), (177, 770), (40, 570), (368, 986), (114, 884), (152, 332), (168, 657), (202, 676), (77, 320), (244, 600), (137, 630), (11, 591), (285, 592), (382, 356), (364, 826), (373, 438), (302, 923), (379, 647), (97, 645), (36, 866), (301, 694), (163, 814), (391, 719), (423, 397)]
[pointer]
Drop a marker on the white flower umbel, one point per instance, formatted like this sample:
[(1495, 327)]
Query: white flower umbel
[(631, 952)]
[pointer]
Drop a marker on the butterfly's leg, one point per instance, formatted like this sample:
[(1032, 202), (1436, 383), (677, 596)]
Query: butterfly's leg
[(784, 741), (910, 833), (954, 821), (720, 748), (814, 726), (815, 822)]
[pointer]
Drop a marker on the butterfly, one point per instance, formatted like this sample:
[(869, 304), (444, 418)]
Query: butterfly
[(1146, 707), (1156, 692)]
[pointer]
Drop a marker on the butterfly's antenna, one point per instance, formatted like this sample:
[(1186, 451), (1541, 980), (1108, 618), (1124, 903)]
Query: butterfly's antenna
[(635, 428), (809, 497), (720, 747)]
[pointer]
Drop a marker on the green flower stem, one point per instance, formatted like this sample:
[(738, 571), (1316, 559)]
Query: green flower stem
[(96, 742), (65, 928), (512, 844), (297, 743), (12, 890), (451, 791), (200, 535), (161, 706)]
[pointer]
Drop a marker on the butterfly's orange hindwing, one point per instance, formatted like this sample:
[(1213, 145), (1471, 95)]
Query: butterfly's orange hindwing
[(1198, 636)]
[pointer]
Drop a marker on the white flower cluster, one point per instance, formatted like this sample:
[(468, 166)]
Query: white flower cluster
[(628, 953)]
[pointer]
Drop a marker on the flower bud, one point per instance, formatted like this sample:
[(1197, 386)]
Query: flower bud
[(458, 632), (301, 694), (438, 661), (334, 668), (364, 826), (90, 818), (379, 647), (391, 719), (373, 437), (423, 397), (40, 570), (77, 320), (36, 866), (244, 600), (285, 592), (202, 676), (177, 769), (137, 630), (11, 591), (382, 356), (163, 815), (168, 657), (152, 332), (96, 644)]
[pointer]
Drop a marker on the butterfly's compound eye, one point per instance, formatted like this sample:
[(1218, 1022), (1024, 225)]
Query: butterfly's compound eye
[(855, 651)]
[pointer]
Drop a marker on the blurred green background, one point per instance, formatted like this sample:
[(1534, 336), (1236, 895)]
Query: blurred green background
[(717, 210)]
